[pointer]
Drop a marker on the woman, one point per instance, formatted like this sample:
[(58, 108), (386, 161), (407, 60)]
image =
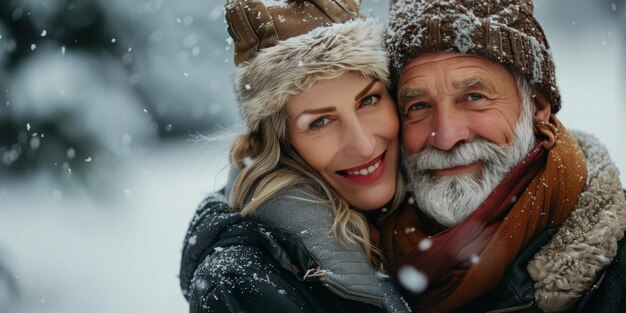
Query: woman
[(311, 86)]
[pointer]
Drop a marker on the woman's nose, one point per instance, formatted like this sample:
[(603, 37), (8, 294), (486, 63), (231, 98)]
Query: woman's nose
[(359, 140)]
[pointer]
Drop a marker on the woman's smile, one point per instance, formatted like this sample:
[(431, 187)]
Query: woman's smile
[(366, 173)]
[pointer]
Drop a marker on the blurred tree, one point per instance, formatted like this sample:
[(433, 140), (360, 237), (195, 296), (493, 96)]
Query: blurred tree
[(96, 76), (9, 291), (80, 26)]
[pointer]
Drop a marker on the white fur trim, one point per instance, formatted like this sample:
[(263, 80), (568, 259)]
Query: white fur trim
[(265, 84), (566, 267)]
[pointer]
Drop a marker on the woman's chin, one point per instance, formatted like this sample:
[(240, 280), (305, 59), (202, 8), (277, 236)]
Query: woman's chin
[(370, 200)]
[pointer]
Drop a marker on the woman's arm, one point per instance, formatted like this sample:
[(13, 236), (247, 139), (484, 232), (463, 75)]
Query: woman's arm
[(243, 279), (226, 268)]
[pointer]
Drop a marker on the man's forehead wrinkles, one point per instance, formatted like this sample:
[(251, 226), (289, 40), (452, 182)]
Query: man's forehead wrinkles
[(412, 76), (413, 84), (416, 82)]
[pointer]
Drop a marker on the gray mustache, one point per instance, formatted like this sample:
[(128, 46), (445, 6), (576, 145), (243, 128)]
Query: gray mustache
[(464, 154)]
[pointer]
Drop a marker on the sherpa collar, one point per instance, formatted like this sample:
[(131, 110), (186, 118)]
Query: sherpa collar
[(586, 243)]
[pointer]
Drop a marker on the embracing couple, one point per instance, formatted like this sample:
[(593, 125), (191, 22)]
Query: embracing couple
[(414, 168)]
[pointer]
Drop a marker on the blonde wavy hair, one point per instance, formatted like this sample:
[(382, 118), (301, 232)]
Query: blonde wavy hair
[(269, 165)]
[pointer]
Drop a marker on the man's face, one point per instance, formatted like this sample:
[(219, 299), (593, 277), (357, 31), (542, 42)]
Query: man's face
[(450, 98), (460, 129)]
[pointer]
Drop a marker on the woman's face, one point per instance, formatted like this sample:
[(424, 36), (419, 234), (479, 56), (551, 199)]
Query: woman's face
[(346, 128)]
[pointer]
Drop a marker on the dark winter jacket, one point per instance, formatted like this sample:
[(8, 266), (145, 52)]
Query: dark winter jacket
[(581, 267), (283, 261), (516, 292)]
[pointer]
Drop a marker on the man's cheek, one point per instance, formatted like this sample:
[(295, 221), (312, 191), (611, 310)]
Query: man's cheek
[(412, 139)]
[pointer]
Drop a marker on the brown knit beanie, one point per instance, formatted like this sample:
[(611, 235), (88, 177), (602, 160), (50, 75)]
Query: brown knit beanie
[(282, 47), (503, 31)]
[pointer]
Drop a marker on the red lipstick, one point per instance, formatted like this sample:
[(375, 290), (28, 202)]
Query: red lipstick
[(366, 173)]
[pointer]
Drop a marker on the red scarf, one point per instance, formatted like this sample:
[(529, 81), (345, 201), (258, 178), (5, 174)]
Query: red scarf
[(452, 250)]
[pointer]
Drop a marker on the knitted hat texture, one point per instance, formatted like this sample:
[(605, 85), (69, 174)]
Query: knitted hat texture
[(504, 31)]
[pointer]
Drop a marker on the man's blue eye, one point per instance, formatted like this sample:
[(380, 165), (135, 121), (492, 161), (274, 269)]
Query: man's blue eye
[(418, 106), (474, 97)]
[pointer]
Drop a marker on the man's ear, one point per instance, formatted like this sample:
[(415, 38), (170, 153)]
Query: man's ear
[(543, 108), (541, 121)]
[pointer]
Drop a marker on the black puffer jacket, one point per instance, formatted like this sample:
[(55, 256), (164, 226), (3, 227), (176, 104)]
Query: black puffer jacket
[(231, 264)]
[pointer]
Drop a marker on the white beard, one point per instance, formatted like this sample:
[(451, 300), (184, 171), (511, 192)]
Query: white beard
[(450, 199)]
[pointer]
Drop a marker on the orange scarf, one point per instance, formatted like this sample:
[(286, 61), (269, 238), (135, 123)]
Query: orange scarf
[(545, 203)]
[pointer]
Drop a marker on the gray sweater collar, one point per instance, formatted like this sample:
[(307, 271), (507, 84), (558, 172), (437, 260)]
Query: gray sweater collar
[(343, 267)]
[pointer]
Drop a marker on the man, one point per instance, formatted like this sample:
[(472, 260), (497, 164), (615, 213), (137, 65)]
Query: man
[(510, 211)]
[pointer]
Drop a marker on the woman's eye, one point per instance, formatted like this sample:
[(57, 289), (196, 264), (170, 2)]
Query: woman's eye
[(369, 100), (474, 97), (319, 123)]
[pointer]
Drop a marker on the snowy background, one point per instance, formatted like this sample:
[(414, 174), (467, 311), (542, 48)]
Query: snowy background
[(101, 106)]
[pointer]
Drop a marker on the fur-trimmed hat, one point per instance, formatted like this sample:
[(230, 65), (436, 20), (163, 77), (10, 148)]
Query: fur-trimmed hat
[(282, 47), (504, 31)]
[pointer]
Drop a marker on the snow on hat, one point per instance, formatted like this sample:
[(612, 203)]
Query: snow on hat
[(282, 47), (503, 31)]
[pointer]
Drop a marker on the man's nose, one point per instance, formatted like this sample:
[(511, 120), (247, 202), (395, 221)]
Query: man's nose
[(358, 139), (449, 128)]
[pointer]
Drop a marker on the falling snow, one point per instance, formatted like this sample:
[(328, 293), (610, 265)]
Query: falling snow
[(71, 153), (192, 240), (153, 190), (474, 259), (425, 244), (412, 279)]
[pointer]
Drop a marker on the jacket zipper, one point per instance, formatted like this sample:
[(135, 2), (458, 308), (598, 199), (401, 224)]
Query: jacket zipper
[(314, 274), (513, 309), (317, 273)]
